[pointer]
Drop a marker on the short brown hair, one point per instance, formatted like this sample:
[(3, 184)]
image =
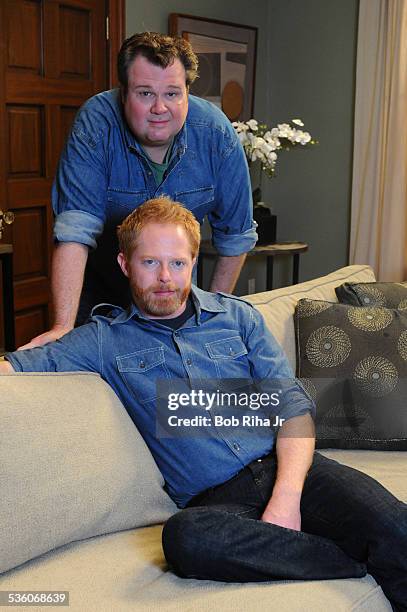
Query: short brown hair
[(158, 49), (158, 210)]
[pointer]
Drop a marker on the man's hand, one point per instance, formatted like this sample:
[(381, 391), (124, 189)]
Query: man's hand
[(49, 336), (283, 509), (295, 448), (6, 367)]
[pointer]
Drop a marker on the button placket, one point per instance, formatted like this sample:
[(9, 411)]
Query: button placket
[(187, 361)]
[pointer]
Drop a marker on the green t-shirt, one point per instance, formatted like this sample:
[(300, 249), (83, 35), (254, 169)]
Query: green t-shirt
[(157, 169)]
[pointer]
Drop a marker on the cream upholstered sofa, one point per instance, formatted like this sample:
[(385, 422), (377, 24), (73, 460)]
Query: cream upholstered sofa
[(82, 502)]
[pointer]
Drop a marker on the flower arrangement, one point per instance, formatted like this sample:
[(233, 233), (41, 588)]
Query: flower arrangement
[(262, 143)]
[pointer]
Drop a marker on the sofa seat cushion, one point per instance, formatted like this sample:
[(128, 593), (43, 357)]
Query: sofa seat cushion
[(388, 467), (72, 465), (277, 306), (127, 570)]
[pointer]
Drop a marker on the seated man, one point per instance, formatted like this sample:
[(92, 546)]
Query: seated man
[(255, 506)]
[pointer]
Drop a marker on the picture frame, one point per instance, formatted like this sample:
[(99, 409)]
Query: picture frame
[(227, 62)]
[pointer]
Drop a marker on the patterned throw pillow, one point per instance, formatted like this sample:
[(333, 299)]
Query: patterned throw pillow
[(389, 295), (353, 362)]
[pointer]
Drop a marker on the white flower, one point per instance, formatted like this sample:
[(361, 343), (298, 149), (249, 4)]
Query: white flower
[(240, 126), (261, 143), (285, 130), (253, 124), (243, 137), (306, 138)]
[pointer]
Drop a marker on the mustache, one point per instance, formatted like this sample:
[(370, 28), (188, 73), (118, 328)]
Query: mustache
[(167, 287)]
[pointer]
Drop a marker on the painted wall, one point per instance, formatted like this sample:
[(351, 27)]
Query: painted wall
[(305, 68), (312, 54)]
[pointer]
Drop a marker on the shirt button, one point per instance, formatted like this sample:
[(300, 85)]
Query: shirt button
[(142, 364), (231, 351), (189, 362), (236, 446)]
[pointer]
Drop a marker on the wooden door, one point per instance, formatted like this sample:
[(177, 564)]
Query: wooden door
[(54, 56)]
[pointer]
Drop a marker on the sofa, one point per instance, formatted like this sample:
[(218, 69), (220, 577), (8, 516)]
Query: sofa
[(82, 502)]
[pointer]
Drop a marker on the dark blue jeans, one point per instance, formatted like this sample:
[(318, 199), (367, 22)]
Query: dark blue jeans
[(350, 524)]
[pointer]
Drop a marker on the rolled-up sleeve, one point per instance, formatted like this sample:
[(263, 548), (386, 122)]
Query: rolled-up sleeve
[(233, 227), (77, 226)]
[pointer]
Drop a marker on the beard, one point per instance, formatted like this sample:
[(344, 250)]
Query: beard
[(151, 303)]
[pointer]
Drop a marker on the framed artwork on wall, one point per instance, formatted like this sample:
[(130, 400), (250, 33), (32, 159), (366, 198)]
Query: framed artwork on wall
[(227, 62)]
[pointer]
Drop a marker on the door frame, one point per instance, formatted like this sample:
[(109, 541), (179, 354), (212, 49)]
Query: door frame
[(116, 14)]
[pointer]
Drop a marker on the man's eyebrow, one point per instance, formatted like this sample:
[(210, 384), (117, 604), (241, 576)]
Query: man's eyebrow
[(150, 87)]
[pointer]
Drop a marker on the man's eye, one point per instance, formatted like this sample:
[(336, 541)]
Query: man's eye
[(178, 264), (145, 94), (149, 262)]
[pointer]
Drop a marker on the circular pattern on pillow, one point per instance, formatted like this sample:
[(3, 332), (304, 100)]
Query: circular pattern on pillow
[(309, 387), (370, 319), (402, 345), (348, 421), (402, 305), (375, 376), (370, 296), (328, 346), (309, 308)]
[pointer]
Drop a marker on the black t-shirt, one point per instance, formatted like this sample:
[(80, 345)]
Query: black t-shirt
[(179, 321)]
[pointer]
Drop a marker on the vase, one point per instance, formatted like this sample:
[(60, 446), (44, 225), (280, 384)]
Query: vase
[(266, 224)]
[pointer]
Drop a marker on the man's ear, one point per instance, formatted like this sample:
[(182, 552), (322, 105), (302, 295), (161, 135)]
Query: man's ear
[(123, 264)]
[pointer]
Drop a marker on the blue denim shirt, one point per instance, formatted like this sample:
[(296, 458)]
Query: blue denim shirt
[(104, 174), (226, 338)]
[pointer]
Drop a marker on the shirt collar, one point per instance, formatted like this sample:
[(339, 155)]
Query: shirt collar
[(203, 300)]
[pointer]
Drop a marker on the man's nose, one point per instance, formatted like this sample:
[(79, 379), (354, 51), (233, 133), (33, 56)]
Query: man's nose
[(158, 106), (164, 273)]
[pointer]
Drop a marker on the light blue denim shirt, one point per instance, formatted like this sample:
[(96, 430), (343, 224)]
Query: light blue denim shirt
[(226, 339), (104, 174)]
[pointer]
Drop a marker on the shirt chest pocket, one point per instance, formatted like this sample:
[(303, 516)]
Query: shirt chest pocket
[(141, 370), (229, 357), (126, 200), (199, 201)]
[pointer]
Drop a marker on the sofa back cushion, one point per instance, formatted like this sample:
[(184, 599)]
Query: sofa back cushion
[(278, 306), (72, 465)]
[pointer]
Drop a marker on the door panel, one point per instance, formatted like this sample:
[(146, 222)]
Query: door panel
[(53, 57)]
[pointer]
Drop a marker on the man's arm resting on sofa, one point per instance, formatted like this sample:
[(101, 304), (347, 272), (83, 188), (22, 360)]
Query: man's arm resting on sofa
[(295, 448), (68, 267), (6, 367)]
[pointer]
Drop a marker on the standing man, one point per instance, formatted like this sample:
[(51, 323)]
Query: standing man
[(147, 139), (257, 502)]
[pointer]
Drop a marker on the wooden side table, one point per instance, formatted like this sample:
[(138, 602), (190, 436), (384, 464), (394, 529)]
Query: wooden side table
[(269, 251), (6, 258)]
